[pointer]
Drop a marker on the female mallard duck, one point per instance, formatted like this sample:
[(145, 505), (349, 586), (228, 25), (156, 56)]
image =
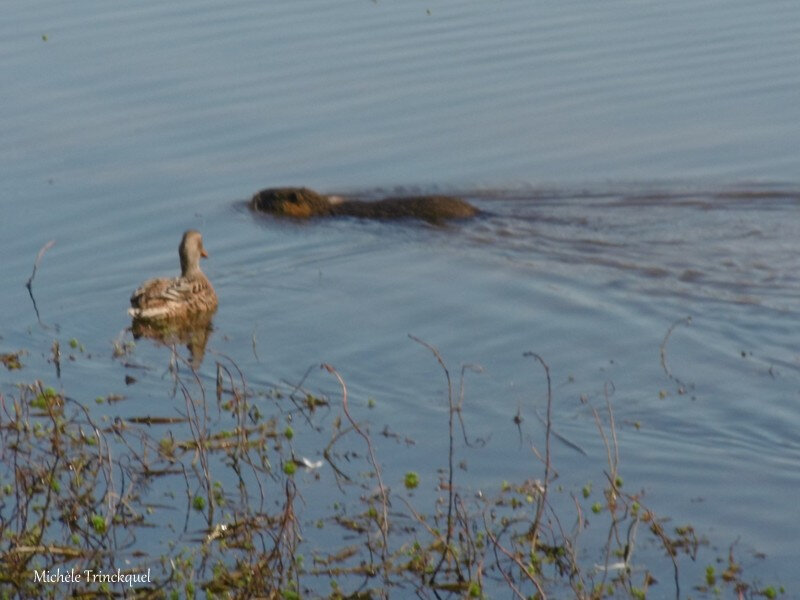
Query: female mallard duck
[(180, 298)]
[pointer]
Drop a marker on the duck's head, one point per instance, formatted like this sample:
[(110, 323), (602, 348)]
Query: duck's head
[(191, 251)]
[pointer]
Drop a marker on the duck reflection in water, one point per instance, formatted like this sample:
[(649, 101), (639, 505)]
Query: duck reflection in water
[(179, 309), (194, 333)]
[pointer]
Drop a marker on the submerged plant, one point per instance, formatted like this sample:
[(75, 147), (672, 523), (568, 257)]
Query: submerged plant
[(77, 491)]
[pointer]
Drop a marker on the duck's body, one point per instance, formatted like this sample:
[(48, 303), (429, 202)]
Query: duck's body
[(177, 298)]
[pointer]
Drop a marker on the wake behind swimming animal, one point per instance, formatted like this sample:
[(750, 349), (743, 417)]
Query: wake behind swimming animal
[(303, 203)]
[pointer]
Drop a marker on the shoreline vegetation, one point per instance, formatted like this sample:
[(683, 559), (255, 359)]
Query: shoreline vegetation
[(78, 492)]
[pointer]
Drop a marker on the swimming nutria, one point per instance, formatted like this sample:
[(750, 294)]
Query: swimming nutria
[(303, 203)]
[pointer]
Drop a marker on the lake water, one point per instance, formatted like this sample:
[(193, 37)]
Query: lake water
[(638, 164)]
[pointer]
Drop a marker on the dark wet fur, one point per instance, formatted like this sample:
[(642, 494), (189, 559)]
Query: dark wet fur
[(305, 203)]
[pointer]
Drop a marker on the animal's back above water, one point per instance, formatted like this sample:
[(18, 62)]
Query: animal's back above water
[(304, 203)]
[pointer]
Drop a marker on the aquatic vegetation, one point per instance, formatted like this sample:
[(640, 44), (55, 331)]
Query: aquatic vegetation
[(411, 480), (229, 498), (11, 360), (76, 345)]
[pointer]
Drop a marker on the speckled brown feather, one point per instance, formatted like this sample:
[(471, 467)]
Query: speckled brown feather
[(181, 297)]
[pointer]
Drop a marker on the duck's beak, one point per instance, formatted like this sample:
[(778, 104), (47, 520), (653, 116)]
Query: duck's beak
[(203, 253)]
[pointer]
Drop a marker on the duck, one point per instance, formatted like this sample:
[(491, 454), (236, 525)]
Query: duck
[(180, 298)]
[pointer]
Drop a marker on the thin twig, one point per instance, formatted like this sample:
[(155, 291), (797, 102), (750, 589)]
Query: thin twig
[(29, 283), (612, 425), (479, 442), (561, 438), (515, 559), (663, 351), (450, 457), (328, 455), (254, 346), (384, 496), (548, 428)]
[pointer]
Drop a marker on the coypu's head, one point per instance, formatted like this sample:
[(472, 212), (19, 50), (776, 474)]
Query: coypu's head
[(299, 203)]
